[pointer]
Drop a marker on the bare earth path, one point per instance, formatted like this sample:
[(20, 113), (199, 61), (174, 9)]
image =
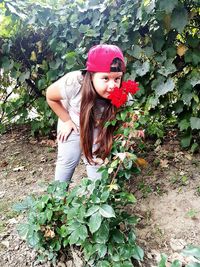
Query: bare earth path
[(168, 193)]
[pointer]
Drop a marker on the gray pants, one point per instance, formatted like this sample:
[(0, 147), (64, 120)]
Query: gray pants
[(69, 154)]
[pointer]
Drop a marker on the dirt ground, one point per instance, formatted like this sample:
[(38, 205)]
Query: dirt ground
[(167, 190)]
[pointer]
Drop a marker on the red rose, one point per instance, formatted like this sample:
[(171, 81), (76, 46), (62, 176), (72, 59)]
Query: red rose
[(130, 87), (118, 97)]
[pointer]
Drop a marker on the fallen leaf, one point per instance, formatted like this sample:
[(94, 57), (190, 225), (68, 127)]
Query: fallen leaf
[(164, 163), (3, 164), (141, 162), (181, 49), (188, 156), (48, 142), (33, 142), (49, 233)]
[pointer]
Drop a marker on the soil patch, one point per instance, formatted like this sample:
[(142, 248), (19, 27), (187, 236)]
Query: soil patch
[(168, 193)]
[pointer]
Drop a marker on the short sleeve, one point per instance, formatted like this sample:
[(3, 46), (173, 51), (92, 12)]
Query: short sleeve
[(70, 84)]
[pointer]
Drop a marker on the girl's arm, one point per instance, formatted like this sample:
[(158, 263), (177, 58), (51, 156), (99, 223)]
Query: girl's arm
[(54, 98)]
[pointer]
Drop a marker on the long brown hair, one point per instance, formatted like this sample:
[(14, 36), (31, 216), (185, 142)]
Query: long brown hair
[(88, 119)]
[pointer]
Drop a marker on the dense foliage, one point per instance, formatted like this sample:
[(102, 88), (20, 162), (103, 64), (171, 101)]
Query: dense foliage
[(40, 41), (95, 217)]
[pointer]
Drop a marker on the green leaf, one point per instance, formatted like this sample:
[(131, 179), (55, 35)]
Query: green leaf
[(65, 242), (178, 107), (188, 57), (74, 237), (123, 115), (105, 195), (83, 28), (132, 220), (179, 18), (194, 81), (26, 204), (49, 214), (33, 239), (192, 251), (83, 233), (64, 231), (7, 63), (126, 131), (128, 196), (23, 230), (195, 57), (149, 51), (149, 6), (194, 147), (195, 123), (70, 59), (101, 249), (165, 87), (138, 253), (143, 69), (186, 140), (95, 222), (158, 41), (92, 210), (193, 264), (176, 263), (107, 211), (167, 68), (187, 97), (131, 237), (52, 75), (163, 261), (103, 233), (103, 264), (24, 76), (118, 236), (54, 65), (152, 102), (42, 83), (136, 52), (127, 264), (167, 6), (183, 124), (114, 163)]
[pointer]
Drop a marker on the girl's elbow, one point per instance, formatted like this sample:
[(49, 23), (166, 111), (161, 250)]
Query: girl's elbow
[(47, 95)]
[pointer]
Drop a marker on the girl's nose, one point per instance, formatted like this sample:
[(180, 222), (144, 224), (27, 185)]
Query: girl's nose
[(111, 85)]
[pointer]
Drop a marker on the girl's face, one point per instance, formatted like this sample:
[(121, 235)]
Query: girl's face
[(104, 83)]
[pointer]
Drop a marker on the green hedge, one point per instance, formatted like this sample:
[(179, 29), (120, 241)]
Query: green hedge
[(160, 39)]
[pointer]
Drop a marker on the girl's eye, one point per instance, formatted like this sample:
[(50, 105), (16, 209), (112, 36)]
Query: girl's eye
[(118, 79)]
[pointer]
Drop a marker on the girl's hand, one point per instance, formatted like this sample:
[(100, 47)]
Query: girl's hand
[(66, 129)]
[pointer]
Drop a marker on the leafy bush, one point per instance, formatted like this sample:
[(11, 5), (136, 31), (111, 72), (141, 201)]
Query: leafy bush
[(94, 215), (160, 41)]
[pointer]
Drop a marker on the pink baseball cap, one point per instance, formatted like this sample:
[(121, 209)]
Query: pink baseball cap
[(101, 56)]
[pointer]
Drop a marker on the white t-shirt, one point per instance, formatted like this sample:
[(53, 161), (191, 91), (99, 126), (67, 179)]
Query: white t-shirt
[(71, 94), (70, 91)]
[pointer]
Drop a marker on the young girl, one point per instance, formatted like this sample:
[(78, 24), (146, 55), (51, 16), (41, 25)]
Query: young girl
[(80, 100)]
